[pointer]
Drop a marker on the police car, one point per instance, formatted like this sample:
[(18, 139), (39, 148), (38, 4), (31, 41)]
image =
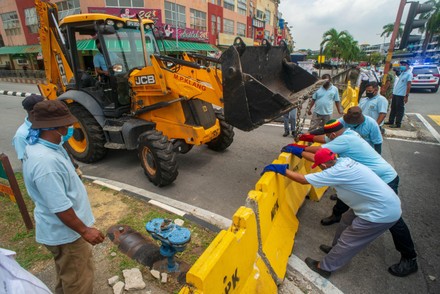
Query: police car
[(425, 76)]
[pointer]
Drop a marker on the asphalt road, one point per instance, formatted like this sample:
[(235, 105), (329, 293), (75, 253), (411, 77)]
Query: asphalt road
[(220, 183)]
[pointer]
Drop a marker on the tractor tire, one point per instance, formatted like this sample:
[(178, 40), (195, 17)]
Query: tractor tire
[(226, 137), (87, 142), (157, 158)]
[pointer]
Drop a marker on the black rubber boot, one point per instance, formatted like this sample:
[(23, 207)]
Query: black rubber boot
[(330, 220), (313, 265), (405, 267)]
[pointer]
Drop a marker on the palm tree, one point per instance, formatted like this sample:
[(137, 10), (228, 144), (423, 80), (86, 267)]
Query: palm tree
[(389, 28), (351, 49), (333, 42)]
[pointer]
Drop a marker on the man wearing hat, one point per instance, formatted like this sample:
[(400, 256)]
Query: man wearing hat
[(364, 125), (348, 143), (374, 206), (19, 141), (63, 216), (400, 96)]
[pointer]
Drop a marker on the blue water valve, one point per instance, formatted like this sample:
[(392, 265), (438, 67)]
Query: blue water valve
[(173, 238)]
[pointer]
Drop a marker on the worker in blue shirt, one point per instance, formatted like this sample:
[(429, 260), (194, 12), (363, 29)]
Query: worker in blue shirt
[(364, 125), (323, 100), (400, 96), (348, 143), (374, 105), (63, 216), (19, 141), (375, 207)]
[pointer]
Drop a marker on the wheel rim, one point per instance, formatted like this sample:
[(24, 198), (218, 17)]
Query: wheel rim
[(149, 161), (78, 141)]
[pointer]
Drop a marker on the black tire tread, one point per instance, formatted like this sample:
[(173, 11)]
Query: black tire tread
[(95, 135), (165, 157), (226, 137)]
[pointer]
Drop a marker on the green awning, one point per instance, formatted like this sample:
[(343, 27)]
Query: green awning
[(28, 49), (171, 46), (83, 45)]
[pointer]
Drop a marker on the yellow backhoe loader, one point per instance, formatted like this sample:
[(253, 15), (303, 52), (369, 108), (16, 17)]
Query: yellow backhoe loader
[(155, 103)]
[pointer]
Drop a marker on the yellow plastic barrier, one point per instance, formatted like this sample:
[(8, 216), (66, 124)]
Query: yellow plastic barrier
[(276, 201), (349, 97), (231, 263)]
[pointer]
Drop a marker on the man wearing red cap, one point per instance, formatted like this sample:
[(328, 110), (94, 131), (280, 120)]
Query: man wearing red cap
[(374, 206), (348, 143)]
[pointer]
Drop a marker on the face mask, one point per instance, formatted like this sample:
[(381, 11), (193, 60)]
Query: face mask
[(402, 68), (370, 95), (368, 67), (68, 135)]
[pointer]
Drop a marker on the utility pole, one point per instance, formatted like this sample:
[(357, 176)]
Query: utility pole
[(392, 41)]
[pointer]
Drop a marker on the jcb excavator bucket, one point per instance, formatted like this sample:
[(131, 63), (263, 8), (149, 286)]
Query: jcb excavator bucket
[(257, 83)]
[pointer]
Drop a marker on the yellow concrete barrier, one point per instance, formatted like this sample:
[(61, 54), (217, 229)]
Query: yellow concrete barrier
[(231, 263)]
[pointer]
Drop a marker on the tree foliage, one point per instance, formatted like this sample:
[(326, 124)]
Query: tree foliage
[(388, 30), (340, 45)]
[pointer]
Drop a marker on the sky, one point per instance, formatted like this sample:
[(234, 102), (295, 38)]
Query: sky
[(363, 19)]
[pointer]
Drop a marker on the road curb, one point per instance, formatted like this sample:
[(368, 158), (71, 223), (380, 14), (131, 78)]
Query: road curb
[(214, 223), (16, 93), (197, 215)]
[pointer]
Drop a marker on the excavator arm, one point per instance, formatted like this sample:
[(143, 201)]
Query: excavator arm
[(57, 66)]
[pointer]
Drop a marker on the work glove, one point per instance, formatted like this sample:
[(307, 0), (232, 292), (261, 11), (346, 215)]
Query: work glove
[(306, 137), (298, 145), (276, 168), (293, 149)]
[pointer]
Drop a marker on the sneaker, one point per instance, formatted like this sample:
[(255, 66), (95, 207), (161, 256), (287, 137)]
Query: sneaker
[(405, 267), (286, 134), (313, 265), (330, 220), (325, 248), (389, 123), (293, 134), (395, 126)]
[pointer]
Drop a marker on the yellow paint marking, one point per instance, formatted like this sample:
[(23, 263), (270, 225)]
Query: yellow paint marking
[(435, 118)]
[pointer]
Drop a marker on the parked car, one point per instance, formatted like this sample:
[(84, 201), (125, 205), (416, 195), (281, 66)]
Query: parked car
[(425, 77)]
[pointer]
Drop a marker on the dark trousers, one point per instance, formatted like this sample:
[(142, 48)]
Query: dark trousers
[(397, 109), (400, 232)]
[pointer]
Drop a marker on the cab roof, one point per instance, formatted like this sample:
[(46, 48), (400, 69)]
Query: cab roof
[(86, 17)]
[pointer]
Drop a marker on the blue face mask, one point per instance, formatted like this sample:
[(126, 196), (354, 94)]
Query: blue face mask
[(68, 135), (402, 68)]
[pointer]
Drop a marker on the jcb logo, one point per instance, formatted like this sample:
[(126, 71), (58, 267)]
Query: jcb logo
[(145, 80), (61, 69)]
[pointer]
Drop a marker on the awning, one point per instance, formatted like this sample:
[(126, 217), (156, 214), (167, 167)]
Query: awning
[(171, 46), (83, 45), (28, 49)]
